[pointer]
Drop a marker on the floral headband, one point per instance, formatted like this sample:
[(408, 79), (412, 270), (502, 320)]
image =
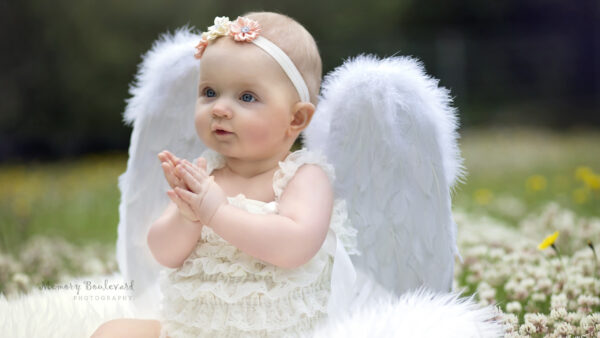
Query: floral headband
[(247, 30)]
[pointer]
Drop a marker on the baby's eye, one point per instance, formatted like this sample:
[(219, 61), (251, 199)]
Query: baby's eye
[(208, 92), (248, 97)]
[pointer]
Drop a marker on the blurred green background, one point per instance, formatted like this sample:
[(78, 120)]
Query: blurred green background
[(66, 65), (525, 76)]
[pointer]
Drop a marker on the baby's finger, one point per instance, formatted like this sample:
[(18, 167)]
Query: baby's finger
[(183, 207), (172, 158), (186, 196), (198, 173), (173, 196), (189, 179), (171, 179)]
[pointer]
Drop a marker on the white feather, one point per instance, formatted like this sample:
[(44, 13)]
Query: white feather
[(390, 133), (162, 113), (418, 314)]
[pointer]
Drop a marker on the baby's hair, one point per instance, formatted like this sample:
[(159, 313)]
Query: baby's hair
[(297, 43)]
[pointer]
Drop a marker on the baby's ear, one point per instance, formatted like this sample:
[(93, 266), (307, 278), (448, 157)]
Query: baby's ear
[(302, 114)]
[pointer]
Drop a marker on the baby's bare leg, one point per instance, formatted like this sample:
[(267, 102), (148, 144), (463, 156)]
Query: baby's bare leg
[(126, 327)]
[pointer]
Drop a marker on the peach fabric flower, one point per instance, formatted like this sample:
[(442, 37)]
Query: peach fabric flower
[(244, 29), (201, 46)]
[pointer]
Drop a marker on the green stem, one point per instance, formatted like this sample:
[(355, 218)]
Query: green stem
[(591, 245)]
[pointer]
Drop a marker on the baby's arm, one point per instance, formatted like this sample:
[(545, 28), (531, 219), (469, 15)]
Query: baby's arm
[(172, 237), (290, 238)]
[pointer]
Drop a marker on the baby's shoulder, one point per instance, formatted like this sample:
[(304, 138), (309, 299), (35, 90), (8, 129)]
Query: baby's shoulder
[(310, 174), (309, 186), (304, 168)]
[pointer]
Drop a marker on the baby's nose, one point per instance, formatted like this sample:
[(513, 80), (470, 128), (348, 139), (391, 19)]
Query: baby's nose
[(221, 111)]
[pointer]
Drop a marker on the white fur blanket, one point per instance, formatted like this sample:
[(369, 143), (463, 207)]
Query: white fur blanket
[(77, 308)]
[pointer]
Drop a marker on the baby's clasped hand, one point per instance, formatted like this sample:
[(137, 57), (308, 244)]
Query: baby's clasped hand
[(201, 196), (168, 164)]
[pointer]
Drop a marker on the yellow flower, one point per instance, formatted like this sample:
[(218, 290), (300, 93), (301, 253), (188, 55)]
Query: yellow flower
[(582, 172), (580, 195), (587, 176), (593, 181), (548, 241), (536, 183), (483, 196)]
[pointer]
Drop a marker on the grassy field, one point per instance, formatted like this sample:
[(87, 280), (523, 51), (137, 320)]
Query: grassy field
[(514, 172), (77, 201), (60, 219)]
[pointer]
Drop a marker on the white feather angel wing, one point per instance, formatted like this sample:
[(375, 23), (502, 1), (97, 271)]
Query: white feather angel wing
[(390, 133), (162, 113)]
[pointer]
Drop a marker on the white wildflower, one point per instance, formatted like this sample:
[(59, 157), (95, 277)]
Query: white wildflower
[(564, 329), (572, 304), (510, 285), (473, 279), (497, 253), (586, 284), (591, 324), (494, 276), (558, 313), (558, 301), (544, 285), (513, 307), (520, 292), (510, 322), (573, 317), (538, 320), (22, 280), (527, 329), (93, 266), (588, 301), (488, 294), (538, 297)]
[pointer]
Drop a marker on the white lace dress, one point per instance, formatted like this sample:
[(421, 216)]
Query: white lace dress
[(220, 291)]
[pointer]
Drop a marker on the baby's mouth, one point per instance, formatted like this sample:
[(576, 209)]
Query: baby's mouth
[(222, 132)]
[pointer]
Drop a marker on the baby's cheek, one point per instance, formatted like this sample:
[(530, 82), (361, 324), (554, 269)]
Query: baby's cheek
[(260, 134), (201, 122)]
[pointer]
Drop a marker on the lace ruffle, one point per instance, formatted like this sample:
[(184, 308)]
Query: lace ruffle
[(214, 160), (231, 275), (341, 225), (175, 329), (196, 306), (253, 312)]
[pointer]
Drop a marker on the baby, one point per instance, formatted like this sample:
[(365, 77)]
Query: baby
[(247, 236)]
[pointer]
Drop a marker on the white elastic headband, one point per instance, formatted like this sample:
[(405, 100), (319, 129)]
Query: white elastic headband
[(248, 30), (286, 63)]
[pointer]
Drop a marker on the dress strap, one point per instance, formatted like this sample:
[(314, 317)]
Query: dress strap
[(293, 162)]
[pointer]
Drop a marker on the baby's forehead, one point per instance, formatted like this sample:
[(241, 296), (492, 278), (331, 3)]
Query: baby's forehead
[(226, 52), (249, 63)]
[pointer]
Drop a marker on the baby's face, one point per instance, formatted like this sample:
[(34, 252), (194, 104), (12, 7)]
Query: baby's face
[(245, 101)]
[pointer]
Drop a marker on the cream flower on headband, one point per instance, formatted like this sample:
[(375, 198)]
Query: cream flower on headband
[(221, 27), (242, 29)]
